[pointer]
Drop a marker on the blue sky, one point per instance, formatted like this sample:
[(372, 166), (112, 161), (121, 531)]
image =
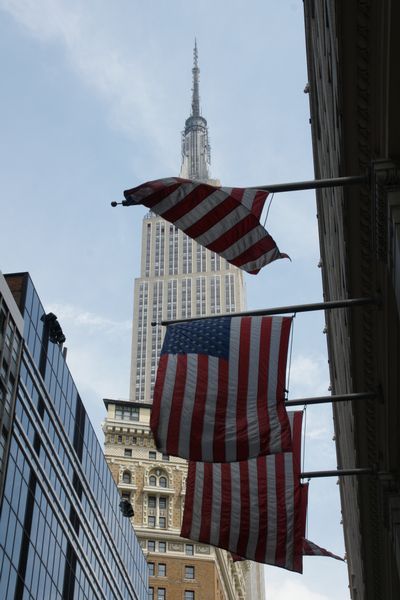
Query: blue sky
[(94, 99)]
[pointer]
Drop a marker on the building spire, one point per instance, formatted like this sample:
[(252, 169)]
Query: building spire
[(195, 89), (195, 144)]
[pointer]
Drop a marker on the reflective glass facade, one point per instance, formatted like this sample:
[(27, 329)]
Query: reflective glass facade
[(62, 535)]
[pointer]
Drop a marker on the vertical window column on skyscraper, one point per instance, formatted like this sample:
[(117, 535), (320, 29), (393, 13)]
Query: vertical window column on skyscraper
[(215, 260), (215, 288), (157, 331), (173, 250), (172, 299), (187, 254), (186, 297), (229, 293), (159, 253), (142, 340), (148, 249), (201, 306), (201, 259)]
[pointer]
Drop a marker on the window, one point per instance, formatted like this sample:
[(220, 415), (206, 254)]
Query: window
[(126, 477), (161, 595), (165, 457), (153, 480), (152, 521), (162, 570), (162, 502), (162, 546), (163, 482), (189, 572), (127, 413), (162, 522), (152, 455), (151, 594), (151, 569), (189, 595), (128, 452), (151, 546), (119, 439), (189, 549), (152, 502)]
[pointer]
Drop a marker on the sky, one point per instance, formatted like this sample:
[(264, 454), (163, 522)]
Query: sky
[(94, 98)]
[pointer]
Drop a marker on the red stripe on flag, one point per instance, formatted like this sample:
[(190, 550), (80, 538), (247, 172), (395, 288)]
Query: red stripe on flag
[(206, 507), (259, 248), (213, 216), (286, 438), (220, 411), (244, 508), (296, 442), (234, 234), (261, 547), (242, 442), (160, 192), (301, 498), (157, 395), (280, 554), (196, 431), (226, 503), (174, 423), (262, 392), (188, 203), (189, 500)]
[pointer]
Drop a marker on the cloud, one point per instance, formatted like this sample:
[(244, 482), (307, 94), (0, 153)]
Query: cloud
[(308, 375), (132, 95), (291, 589), (73, 316)]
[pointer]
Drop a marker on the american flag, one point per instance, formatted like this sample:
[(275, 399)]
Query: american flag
[(220, 388), (255, 509), (311, 549), (224, 220)]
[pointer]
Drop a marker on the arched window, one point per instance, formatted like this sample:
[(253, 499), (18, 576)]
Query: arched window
[(153, 480), (163, 482), (126, 477)]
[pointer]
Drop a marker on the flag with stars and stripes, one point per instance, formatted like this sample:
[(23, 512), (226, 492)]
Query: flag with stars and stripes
[(220, 389), (224, 220), (256, 509)]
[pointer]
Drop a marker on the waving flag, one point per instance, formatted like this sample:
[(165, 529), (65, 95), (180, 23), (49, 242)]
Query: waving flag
[(219, 391), (311, 549), (224, 220), (255, 509)]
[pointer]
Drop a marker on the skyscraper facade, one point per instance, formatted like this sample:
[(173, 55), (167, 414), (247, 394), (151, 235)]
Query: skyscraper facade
[(62, 534), (178, 279)]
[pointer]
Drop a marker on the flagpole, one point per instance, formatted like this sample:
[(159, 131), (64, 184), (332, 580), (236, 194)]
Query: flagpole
[(336, 473), (313, 184), (280, 310), (329, 399)]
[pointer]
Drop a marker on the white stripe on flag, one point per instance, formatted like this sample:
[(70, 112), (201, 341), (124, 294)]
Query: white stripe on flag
[(272, 511), (253, 426), (218, 229), (254, 512), (187, 405), (230, 428), (210, 407), (289, 503), (235, 505), (174, 197), (264, 259), (275, 425), (216, 505), (200, 210), (197, 502), (166, 399)]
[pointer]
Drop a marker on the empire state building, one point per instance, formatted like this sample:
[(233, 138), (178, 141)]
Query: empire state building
[(178, 279)]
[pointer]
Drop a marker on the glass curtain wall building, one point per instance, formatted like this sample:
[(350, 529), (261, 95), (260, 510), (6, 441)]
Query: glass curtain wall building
[(62, 534)]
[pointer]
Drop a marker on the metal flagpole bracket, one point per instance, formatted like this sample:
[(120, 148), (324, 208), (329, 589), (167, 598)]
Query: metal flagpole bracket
[(281, 310), (337, 473), (316, 184), (330, 399)]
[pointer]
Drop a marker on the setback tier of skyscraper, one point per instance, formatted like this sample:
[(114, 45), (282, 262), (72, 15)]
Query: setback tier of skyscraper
[(62, 534)]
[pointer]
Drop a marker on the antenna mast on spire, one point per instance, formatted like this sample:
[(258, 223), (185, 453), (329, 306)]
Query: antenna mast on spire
[(195, 144)]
